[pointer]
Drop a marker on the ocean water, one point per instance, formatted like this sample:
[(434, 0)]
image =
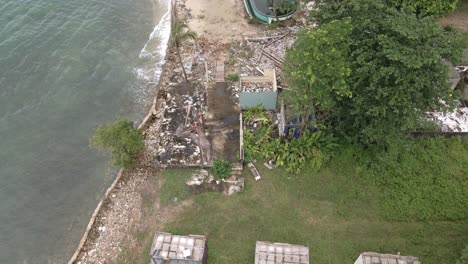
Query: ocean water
[(67, 66)]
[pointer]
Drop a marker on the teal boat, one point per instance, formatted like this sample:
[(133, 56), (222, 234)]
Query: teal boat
[(263, 9)]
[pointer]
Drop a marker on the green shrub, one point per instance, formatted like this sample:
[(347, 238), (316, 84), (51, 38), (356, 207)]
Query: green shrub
[(313, 149), (426, 7), (221, 169), (121, 139), (255, 142), (256, 113), (233, 77)]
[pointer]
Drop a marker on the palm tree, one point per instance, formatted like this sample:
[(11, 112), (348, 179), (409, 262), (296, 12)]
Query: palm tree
[(180, 32)]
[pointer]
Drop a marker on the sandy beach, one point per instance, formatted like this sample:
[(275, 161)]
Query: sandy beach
[(219, 19)]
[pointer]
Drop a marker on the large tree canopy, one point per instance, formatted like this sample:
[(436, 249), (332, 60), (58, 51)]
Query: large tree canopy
[(318, 67), (427, 7), (419, 7), (396, 67)]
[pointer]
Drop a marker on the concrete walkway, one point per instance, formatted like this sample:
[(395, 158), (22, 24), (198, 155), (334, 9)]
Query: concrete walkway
[(223, 122)]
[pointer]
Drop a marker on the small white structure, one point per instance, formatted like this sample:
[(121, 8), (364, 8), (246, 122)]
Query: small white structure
[(173, 249), (279, 253), (376, 258)]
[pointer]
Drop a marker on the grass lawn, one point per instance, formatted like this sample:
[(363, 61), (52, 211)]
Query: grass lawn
[(333, 212)]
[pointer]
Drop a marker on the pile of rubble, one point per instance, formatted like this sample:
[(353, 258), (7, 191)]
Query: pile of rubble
[(235, 89), (455, 121), (172, 138), (269, 49), (203, 181), (255, 87), (122, 209)]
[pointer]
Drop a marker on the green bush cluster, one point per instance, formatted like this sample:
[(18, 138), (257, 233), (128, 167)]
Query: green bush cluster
[(221, 169), (233, 77), (313, 149), (121, 139), (426, 7), (256, 113)]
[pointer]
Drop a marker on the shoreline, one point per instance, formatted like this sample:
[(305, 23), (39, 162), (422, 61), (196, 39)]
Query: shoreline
[(117, 216), (151, 114)]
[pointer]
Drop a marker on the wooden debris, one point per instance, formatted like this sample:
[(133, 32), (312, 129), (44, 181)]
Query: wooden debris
[(219, 71), (260, 71), (254, 171), (268, 165), (266, 38)]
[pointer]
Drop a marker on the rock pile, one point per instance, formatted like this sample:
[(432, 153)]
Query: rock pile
[(114, 221), (256, 87), (177, 103), (273, 44)]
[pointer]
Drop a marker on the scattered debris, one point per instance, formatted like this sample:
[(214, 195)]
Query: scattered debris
[(455, 121), (202, 181), (254, 171), (252, 87), (268, 165)]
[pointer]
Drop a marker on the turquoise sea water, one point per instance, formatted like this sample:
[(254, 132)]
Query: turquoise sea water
[(65, 67)]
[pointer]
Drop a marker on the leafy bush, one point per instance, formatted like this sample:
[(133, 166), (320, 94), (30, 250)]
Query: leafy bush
[(426, 7), (121, 139), (256, 113), (234, 77), (255, 142), (221, 169), (464, 256), (314, 149)]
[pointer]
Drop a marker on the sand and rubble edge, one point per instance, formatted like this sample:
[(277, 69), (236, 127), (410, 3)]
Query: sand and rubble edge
[(154, 110)]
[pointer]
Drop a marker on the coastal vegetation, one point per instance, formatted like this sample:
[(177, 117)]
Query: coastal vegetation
[(121, 139)]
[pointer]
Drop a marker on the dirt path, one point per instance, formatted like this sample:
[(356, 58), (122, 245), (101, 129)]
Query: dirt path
[(458, 19)]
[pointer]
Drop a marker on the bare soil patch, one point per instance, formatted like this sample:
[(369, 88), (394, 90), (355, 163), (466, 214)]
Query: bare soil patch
[(219, 19), (459, 19)]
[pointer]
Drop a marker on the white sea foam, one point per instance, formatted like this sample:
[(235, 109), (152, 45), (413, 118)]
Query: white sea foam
[(155, 50), (161, 31)]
